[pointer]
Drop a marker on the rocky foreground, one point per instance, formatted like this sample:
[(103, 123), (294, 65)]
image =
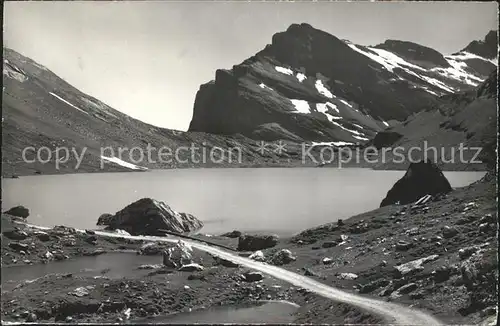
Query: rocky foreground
[(439, 256), (157, 289)]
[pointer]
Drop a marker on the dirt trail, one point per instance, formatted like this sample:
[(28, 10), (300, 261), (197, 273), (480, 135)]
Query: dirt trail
[(393, 313)]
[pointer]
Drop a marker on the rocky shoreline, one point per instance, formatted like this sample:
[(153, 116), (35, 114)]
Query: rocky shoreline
[(439, 256), (70, 297)]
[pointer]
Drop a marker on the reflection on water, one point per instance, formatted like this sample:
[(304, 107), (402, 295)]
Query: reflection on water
[(277, 200), (274, 312), (112, 265)]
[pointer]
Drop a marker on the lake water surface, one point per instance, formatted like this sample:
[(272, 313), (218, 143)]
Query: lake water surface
[(278, 200), (271, 312)]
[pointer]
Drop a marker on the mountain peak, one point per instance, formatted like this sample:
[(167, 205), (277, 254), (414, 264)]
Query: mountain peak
[(414, 52), (308, 84), (486, 48), (300, 27)]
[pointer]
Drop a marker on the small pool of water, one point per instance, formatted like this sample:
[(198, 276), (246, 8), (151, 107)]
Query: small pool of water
[(112, 265), (264, 312), (118, 265)]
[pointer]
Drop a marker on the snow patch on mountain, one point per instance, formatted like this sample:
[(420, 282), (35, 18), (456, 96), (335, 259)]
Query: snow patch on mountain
[(385, 63), (262, 85), (286, 71), (332, 143), (63, 100), (301, 77), (464, 55), (360, 138), (390, 61), (121, 162), (355, 132), (323, 90), (436, 83), (346, 103), (430, 91), (323, 108), (457, 71), (301, 106)]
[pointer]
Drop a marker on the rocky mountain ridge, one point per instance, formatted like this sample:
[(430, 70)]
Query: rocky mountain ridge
[(310, 85), (307, 85), (40, 109), (467, 119)]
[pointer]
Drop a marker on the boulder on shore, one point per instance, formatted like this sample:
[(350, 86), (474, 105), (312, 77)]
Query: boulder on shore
[(257, 256), (252, 276), (19, 211), (179, 255), (282, 257), (413, 266), (147, 216), (256, 242), (422, 178)]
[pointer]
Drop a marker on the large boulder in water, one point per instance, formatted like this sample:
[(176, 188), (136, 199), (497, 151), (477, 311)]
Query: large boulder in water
[(256, 242), (422, 178), (148, 216)]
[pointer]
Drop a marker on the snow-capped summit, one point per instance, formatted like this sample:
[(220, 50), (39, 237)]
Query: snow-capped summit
[(328, 89)]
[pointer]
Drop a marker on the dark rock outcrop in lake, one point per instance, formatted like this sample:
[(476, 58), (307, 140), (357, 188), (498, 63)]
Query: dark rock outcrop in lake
[(422, 178), (256, 242), (147, 216), (19, 211)]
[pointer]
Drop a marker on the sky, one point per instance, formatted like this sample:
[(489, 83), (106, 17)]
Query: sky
[(148, 59)]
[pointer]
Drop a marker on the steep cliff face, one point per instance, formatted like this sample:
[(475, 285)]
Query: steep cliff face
[(310, 85)]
